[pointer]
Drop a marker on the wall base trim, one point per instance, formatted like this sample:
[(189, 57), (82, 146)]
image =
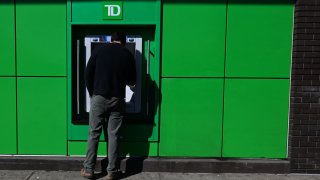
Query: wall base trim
[(139, 164)]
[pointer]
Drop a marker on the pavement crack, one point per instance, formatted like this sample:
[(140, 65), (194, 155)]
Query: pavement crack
[(30, 175)]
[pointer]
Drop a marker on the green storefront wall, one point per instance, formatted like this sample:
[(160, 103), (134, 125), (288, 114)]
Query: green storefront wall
[(193, 41), (42, 114), (41, 77), (191, 117), (259, 39), (7, 34), (224, 78), (8, 115), (41, 38), (255, 118), (255, 59)]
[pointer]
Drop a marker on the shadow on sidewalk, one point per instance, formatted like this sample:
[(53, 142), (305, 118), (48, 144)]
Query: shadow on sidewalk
[(129, 167)]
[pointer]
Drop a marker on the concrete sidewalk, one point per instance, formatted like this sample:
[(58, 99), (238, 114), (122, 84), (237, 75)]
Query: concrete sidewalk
[(73, 175)]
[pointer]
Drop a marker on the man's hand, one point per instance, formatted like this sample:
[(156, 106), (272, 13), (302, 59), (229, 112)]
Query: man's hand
[(132, 88)]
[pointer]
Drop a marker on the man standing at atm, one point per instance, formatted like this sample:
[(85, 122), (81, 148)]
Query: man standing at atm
[(110, 68)]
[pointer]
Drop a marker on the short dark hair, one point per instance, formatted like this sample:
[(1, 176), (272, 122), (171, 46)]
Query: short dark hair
[(119, 36)]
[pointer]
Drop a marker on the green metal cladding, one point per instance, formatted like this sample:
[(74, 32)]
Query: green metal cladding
[(221, 70), (248, 45), (191, 117), (7, 33), (8, 115), (193, 39), (254, 125), (42, 113), (41, 38), (259, 39)]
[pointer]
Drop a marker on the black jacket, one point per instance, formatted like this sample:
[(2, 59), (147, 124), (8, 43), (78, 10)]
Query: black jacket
[(110, 68)]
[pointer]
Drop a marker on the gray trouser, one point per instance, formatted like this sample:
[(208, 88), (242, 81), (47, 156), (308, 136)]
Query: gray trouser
[(106, 114)]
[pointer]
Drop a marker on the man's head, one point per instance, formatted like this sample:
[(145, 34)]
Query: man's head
[(119, 37)]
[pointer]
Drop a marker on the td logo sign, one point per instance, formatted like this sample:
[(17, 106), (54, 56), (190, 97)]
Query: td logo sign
[(112, 10)]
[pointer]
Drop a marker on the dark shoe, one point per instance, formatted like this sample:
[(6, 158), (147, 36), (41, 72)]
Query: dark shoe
[(86, 174), (113, 176)]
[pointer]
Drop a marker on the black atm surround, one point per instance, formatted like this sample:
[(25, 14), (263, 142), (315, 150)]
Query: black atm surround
[(149, 87)]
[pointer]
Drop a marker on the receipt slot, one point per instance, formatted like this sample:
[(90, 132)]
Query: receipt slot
[(134, 44)]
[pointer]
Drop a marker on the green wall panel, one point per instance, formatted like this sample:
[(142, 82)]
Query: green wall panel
[(133, 12), (41, 38), (131, 149), (191, 117), (193, 41), (129, 132), (78, 148), (7, 43), (8, 116), (256, 118), (259, 39), (42, 116)]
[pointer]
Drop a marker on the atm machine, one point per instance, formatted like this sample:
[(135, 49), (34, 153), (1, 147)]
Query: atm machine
[(87, 28), (135, 108), (134, 44)]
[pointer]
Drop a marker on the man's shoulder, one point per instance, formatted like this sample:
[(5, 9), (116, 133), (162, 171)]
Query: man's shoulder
[(117, 47), (115, 50)]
